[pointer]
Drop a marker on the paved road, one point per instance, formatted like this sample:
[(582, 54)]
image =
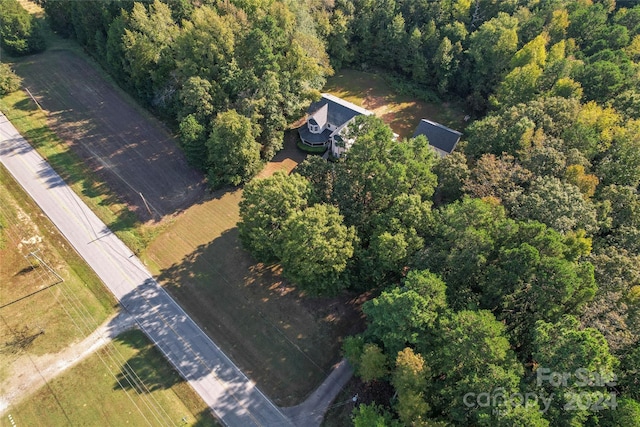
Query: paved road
[(310, 413), (229, 393)]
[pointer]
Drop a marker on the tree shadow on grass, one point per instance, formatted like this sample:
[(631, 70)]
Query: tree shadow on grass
[(145, 372), (206, 419), (283, 340), (67, 167), (26, 105), (195, 357)]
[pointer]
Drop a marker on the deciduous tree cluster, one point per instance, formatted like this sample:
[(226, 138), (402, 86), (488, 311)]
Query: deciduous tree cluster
[(533, 236), (230, 75), (20, 33)]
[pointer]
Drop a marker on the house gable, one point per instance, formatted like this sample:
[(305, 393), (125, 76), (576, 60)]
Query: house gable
[(319, 118), (326, 119)]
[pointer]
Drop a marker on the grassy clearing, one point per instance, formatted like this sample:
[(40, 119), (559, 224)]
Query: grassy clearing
[(281, 339), (101, 391), (31, 122), (38, 315), (401, 112)]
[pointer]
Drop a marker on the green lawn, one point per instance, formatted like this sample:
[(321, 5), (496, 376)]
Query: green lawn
[(284, 341), (37, 319), (101, 391), (32, 123), (401, 112)]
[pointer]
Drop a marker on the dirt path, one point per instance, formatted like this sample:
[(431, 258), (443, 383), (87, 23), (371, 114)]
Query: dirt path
[(29, 372)]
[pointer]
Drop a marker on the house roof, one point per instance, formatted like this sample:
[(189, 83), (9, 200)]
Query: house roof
[(314, 138), (334, 110), (320, 116), (439, 136)]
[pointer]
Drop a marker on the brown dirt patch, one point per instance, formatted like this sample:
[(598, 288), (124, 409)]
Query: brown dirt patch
[(287, 158), (128, 148)]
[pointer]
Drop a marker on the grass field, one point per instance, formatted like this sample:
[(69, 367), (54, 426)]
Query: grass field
[(101, 390), (129, 149), (402, 113), (41, 316), (282, 340), (38, 316)]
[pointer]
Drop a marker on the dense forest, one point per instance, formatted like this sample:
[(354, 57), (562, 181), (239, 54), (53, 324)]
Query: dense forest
[(505, 276), (513, 258)]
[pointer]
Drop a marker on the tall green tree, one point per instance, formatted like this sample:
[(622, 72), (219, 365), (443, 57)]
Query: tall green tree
[(452, 172), (377, 170), (315, 248), (491, 47), (470, 354), (621, 162), (20, 33), (614, 309), (373, 363), (265, 207), (193, 137), (409, 379), (148, 34), (234, 153), (557, 204), (403, 316), (9, 81), (372, 415), (583, 354)]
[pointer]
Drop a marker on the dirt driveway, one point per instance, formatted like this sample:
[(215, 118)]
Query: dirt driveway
[(129, 149)]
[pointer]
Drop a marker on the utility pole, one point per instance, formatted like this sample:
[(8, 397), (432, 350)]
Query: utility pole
[(146, 204), (32, 97), (41, 261)]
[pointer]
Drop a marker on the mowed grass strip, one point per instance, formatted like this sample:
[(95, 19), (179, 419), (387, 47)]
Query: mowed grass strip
[(401, 112), (39, 316), (102, 390), (32, 124)]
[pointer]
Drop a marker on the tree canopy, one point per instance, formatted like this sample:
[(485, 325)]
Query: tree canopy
[(20, 33), (518, 252)]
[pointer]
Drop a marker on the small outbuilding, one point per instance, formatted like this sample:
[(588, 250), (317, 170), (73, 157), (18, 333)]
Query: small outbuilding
[(441, 138)]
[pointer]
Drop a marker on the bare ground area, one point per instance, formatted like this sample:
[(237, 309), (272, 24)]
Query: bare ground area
[(287, 158), (135, 155)]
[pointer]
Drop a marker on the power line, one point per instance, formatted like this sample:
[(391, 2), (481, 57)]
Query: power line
[(135, 382)]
